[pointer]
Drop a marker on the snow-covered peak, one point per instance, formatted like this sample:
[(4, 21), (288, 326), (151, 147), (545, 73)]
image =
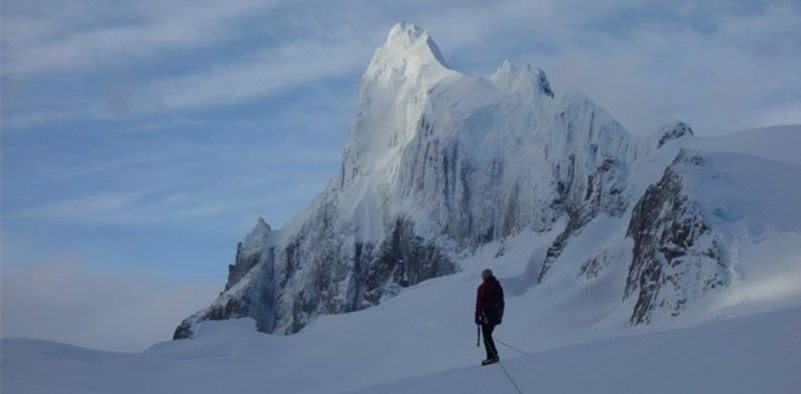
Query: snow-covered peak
[(257, 238), (410, 38), (528, 80), (393, 95), (408, 57), (672, 131), (250, 252)]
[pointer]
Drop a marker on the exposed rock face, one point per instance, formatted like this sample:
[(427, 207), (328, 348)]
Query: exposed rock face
[(677, 255), (603, 194), (404, 259), (591, 268), (673, 131), (283, 294), (251, 252)]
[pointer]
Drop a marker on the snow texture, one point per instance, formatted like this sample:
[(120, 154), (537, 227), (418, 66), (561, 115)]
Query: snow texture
[(711, 358)]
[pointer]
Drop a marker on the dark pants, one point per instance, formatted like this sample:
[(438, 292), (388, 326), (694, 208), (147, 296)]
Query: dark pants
[(489, 343)]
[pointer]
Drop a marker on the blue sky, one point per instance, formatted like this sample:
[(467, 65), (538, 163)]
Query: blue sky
[(143, 139)]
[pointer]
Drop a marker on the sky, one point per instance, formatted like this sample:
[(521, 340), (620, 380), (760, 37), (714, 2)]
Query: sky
[(140, 141)]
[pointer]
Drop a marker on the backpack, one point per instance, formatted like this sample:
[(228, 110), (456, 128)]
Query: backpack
[(492, 311)]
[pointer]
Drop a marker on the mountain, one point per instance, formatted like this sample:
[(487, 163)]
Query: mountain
[(440, 165)]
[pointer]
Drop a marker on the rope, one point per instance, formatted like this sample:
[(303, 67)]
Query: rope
[(509, 377), (505, 372), (523, 352)]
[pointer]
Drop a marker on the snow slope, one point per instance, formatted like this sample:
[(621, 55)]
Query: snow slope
[(757, 354)]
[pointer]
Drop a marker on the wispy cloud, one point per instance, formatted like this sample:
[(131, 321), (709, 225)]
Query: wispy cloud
[(266, 73), (720, 65), (164, 203), (642, 60), (78, 33), (161, 210)]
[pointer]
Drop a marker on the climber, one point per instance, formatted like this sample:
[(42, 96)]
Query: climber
[(489, 312)]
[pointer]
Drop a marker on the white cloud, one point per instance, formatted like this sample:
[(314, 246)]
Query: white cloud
[(269, 72), (789, 113), (714, 64), (137, 208), (170, 204), (50, 42), (67, 301)]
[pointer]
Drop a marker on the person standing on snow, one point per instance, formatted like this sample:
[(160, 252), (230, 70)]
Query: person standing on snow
[(489, 312)]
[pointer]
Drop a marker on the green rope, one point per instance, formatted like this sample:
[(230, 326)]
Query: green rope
[(512, 347), (505, 372), (509, 377)]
